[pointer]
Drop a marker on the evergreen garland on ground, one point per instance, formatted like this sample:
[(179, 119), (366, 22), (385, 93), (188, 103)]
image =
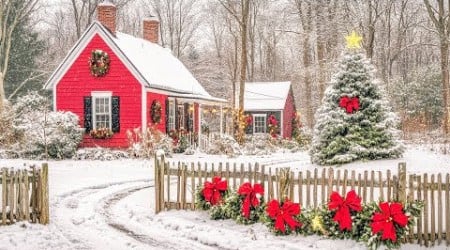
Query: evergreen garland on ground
[(375, 224)]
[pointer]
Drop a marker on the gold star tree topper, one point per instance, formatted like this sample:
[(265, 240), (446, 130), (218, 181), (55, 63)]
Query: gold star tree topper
[(353, 41)]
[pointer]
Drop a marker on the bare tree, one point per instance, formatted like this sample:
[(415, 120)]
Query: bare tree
[(242, 18), (12, 13), (441, 20), (178, 22), (83, 12)]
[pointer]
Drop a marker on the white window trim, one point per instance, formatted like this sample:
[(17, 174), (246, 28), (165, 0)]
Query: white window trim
[(172, 111), (101, 94), (265, 122)]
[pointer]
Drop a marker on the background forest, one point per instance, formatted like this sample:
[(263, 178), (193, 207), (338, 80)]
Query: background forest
[(286, 40)]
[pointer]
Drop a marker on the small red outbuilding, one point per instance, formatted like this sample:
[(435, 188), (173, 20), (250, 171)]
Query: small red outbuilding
[(116, 82), (270, 108)]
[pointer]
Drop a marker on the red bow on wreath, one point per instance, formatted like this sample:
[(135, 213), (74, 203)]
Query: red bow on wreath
[(343, 207), (284, 214), (349, 104), (384, 220), (212, 190), (251, 199)]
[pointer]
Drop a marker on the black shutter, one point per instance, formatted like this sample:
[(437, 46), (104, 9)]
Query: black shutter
[(177, 123), (167, 116), (88, 113), (115, 114), (186, 117)]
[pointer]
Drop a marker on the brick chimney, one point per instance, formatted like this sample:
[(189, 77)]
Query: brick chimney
[(106, 15), (151, 29)]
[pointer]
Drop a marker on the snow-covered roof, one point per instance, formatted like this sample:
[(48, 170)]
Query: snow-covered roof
[(158, 65), (266, 95), (154, 66)]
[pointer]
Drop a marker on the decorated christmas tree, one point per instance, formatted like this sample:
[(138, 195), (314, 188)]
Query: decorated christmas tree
[(355, 120)]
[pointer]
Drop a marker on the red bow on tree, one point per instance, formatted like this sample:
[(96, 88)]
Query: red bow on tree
[(212, 191), (384, 220), (349, 104), (251, 199), (284, 214), (343, 208)]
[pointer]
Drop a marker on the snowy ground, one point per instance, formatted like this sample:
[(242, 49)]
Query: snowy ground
[(110, 205)]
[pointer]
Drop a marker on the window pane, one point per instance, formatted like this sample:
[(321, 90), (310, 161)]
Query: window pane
[(102, 112), (259, 123)]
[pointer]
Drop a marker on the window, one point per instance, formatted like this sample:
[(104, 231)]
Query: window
[(101, 110), (171, 120), (259, 123)]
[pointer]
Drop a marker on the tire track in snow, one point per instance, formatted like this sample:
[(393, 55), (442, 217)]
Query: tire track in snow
[(111, 201), (69, 223)]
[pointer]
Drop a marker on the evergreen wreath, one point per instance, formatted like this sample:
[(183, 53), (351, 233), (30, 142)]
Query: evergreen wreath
[(156, 111), (99, 63)]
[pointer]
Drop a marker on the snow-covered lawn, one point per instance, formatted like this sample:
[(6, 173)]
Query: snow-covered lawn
[(110, 205)]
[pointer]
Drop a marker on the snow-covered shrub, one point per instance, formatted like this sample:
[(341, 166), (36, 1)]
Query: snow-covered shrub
[(145, 144), (53, 134), (260, 144), (45, 133), (224, 145), (8, 132), (102, 154)]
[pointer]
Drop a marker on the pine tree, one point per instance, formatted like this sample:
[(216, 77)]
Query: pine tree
[(23, 73), (355, 121)]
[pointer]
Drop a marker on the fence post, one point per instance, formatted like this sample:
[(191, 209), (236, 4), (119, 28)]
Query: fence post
[(285, 180), (401, 184), (4, 194), (156, 182), (44, 216)]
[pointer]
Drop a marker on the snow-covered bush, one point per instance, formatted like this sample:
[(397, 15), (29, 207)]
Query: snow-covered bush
[(224, 145), (260, 144), (45, 133), (145, 144), (8, 132), (102, 154)]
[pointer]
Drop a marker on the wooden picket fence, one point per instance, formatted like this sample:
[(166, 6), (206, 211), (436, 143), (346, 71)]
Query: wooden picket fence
[(176, 184), (24, 195)]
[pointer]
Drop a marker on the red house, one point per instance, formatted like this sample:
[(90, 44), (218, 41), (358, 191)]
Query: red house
[(116, 82), (270, 108)]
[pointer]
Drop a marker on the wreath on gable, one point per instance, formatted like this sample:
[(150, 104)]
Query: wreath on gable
[(156, 111), (99, 63)]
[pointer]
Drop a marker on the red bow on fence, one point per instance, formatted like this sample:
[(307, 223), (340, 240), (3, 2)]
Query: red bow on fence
[(384, 220), (343, 208), (349, 104), (251, 199), (212, 190), (284, 214)]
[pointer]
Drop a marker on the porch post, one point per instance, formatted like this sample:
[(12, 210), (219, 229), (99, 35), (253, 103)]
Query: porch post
[(199, 124), (221, 120)]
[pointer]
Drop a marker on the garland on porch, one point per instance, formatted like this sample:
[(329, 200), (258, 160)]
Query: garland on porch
[(342, 217)]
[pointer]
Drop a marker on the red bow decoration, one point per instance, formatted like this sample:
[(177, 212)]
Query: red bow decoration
[(249, 120), (212, 190), (384, 220), (284, 214), (343, 208), (272, 120), (251, 199), (349, 104)]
